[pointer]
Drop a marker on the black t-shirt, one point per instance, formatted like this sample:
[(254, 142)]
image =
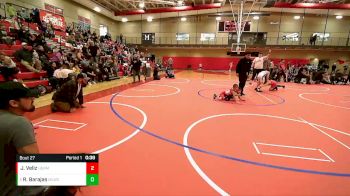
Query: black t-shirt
[(136, 64), (243, 66)]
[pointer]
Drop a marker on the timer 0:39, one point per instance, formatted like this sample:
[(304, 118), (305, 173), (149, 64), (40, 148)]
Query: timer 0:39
[(90, 157)]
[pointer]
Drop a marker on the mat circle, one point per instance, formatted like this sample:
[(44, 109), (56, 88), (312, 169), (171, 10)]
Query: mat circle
[(226, 156)]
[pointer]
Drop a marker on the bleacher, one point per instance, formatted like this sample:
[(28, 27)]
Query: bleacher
[(30, 79)]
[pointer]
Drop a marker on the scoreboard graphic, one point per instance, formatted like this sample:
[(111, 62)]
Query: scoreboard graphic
[(57, 170)]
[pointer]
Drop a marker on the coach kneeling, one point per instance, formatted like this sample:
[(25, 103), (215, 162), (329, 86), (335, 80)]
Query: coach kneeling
[(69, 96)]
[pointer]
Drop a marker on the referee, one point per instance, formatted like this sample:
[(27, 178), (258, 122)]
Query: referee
[(242, 70)]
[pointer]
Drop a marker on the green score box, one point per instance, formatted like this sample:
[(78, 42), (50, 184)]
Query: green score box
[(91, 179)]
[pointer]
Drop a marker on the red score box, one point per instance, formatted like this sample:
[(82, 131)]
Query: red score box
[(92, 168)]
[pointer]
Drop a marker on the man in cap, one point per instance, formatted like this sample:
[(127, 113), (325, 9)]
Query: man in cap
[(69, 96), (16, 133), (17, 137)]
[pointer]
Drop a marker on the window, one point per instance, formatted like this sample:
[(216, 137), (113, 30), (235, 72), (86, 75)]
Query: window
[(322, 36), (207, 36), (294, 37), (103, 30), (182, 36), (230, 26)]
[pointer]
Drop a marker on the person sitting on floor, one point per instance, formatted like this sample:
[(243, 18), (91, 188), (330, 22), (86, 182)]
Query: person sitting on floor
[(303, 73), (69, 96), (321, 77), (273, 85), (169, 72), (229, 94)]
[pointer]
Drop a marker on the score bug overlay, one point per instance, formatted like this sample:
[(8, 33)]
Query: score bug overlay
[(57, 170)]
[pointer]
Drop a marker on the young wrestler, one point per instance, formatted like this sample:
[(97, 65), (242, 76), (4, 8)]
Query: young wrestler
[(262, 78), (273, 85), (230, 94)]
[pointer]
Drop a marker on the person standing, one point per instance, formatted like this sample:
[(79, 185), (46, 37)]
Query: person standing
[(334, 67), (242, 70), (135, 67), (282, 71), (230, 66), (258, 63)]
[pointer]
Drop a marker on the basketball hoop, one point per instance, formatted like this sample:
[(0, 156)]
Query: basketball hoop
[(240, 22), (238, 48)]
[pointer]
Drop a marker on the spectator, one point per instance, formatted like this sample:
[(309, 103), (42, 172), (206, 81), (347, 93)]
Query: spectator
[(155, 72), (334, 67), (4, 38), (16, 135), (25, 56), (11, 10), (23, 34), (135, 67), (50, 69), (93, 50), (57, 56), (43, 57), (303, 73), (69, 96), (8, 68)]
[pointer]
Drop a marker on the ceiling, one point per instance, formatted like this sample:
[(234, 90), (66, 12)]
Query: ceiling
[(126, 5), (111, 8)]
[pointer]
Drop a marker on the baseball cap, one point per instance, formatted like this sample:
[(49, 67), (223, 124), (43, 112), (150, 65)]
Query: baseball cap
[(15, 90)]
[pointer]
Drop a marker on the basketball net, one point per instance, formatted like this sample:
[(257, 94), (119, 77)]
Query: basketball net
[(237, 8)]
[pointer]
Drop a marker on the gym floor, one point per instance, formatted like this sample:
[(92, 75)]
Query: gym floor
[(169, 137)]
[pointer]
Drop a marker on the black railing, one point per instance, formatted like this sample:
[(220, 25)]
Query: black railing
[(223, 41)]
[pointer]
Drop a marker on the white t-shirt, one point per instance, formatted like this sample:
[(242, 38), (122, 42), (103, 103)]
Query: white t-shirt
[(258, 62), (62, 73), (263, 75)]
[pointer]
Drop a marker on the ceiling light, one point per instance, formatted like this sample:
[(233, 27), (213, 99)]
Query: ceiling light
[(142, 4), (97, 9), (218, 18), (256, 17), (296, 17), (183, 19), (124, 20), (338, 17), (149, 18), (179, 3)]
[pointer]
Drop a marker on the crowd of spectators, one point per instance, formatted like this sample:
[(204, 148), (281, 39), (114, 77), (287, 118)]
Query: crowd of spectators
[(98, 58), (306, 73)]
